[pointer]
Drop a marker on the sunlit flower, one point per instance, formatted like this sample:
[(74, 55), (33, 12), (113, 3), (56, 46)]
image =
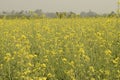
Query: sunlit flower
[(91, 68), (108, 52)]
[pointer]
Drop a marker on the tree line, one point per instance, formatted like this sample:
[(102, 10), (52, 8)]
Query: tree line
[(40, 14)]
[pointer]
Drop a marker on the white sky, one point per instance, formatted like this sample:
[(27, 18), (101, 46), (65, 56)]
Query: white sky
[(99, 6)]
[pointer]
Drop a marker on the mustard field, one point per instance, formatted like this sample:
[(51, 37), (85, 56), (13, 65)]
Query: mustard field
[(60, 49)]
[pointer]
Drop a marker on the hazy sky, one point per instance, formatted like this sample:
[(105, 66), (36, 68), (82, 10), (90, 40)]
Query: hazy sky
[(100, 6)]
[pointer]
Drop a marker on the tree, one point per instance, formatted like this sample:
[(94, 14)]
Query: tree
[(38, 12), (61, 14), (112, 14), (57, 14), (72, 15)]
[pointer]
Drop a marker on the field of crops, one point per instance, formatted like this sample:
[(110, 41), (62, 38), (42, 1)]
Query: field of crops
[(60, 49)]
